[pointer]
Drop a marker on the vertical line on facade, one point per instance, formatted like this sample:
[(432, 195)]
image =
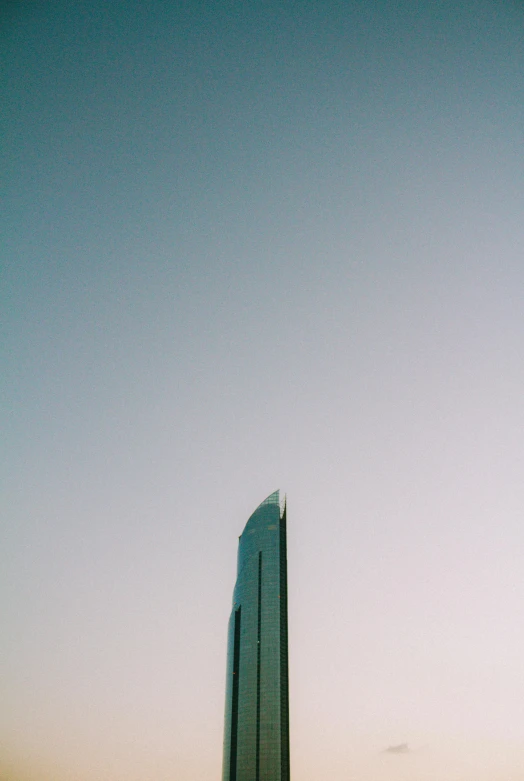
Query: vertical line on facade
[(234, 708), (284, 663), (259, 637)]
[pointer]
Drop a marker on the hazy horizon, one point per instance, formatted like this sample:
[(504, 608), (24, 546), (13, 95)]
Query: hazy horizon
[(248, 247)]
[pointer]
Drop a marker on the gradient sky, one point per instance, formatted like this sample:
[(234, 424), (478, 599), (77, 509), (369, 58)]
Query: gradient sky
[(250, 246)]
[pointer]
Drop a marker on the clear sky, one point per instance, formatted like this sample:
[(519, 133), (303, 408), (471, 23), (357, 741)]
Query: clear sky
[(249, 246)]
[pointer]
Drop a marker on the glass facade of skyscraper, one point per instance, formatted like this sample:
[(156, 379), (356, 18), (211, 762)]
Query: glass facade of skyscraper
[(256, 734)]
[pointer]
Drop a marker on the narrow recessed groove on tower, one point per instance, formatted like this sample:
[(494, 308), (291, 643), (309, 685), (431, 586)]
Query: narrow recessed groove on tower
[(259, 637), (234, 704), (284, 662)]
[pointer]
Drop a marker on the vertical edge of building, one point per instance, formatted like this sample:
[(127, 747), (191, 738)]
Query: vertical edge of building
[(256, 725), (284, 652)]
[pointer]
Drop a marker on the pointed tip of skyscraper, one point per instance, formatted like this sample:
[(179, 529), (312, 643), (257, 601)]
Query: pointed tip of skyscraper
[(278, 497), (273, 498)]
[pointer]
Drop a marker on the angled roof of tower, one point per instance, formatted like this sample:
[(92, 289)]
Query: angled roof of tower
[(273, 498)]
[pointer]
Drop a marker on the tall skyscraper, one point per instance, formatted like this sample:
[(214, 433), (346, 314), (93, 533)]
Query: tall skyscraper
[(256, 732)]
